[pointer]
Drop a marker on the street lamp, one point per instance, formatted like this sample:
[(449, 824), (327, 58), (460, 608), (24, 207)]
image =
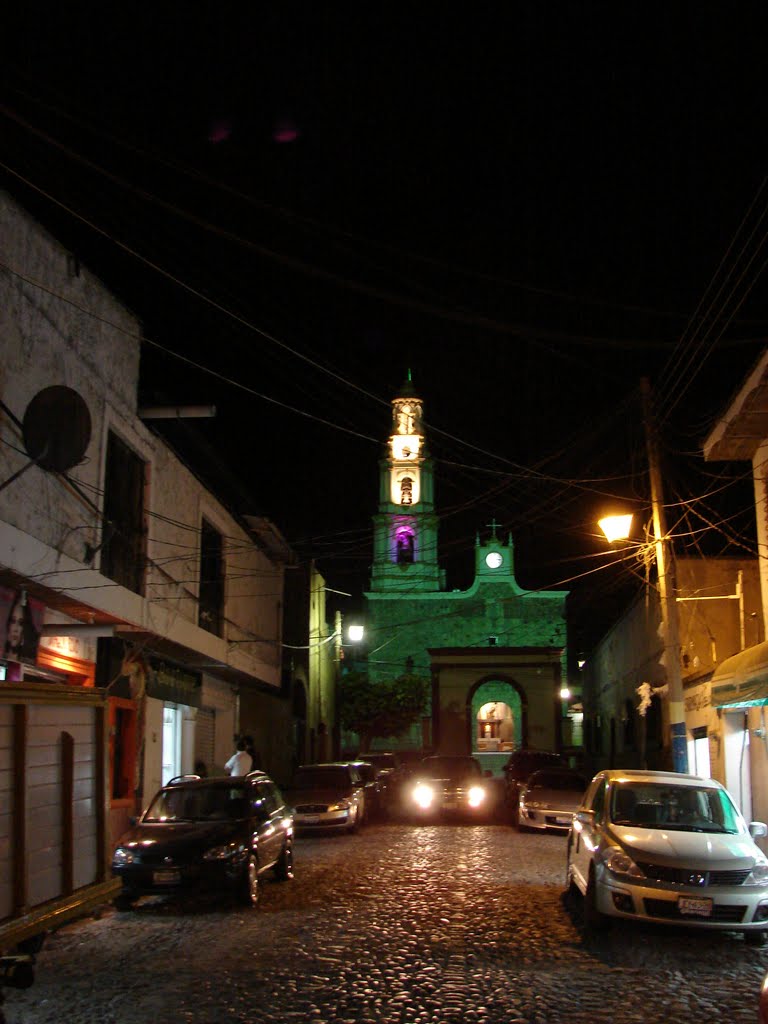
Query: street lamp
[(616, 527), (355, 634)]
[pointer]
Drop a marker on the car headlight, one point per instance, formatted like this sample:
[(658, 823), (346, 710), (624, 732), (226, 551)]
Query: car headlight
[(223, 852), (758, 875), (530, 803), (620, 863), (423, 795), (340, 805), (121, 857), (476, 796)]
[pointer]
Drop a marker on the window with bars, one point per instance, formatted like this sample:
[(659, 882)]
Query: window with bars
[(123, 554), (211, 602)]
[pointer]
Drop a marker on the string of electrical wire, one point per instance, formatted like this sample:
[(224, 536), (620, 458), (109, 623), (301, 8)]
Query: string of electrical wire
[(479, 450), (731, 283), (397, 298), (325, 227), (521, 471)]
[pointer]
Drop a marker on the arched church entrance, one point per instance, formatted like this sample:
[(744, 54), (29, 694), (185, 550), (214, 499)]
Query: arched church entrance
[(496, 713)]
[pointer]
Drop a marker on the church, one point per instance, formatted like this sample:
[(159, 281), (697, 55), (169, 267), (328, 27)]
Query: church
[(495, 653)]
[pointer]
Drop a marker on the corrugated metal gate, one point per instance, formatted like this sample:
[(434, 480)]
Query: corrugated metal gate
[(205, 731)]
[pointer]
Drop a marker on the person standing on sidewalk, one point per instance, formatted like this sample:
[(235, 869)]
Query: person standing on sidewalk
[(241, 761)]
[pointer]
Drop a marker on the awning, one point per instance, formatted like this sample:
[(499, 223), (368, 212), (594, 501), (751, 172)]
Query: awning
[(742, 681)]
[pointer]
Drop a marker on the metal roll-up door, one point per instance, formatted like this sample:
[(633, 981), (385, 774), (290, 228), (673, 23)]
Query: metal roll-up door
[(205, 729)]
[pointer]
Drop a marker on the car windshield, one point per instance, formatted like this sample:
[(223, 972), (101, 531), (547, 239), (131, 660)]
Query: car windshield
[(198, 803), (557, 780), (671, 807), (322, 778), (367, 772), (382, 761), (449, 767), (523, 765)]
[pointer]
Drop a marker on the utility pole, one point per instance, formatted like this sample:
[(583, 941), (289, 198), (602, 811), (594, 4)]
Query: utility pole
[(666, 584)]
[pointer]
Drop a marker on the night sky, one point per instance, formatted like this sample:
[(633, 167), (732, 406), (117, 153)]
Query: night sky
[(531, 208)]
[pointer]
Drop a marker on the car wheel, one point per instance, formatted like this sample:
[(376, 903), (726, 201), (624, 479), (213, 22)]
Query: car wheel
[(570, 894), (594, 920), (756, 938), (284, 866), (514, 811), (250, 885), (124, 901)]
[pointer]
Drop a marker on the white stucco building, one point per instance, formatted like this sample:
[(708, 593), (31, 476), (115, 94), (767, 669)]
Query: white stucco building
[(121, 570)]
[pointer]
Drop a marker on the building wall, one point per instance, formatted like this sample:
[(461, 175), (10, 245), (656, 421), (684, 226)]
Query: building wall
[(47, 339), (632, 653), (402, 627), (217, 698), (533, 677), (760, 478), (311, 668), (59, 326)]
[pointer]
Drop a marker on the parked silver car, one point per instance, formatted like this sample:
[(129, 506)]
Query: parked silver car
[(327, 796), (549, 799), (667, 848)]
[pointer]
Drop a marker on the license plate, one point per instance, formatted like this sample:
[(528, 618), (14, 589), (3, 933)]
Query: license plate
[(309, 820), (699, 907), (167, 877), (563, 821)]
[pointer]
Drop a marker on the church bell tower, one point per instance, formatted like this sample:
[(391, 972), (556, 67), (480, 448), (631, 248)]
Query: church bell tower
[(405, 527)]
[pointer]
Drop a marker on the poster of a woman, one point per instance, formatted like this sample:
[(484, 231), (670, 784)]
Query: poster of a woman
[(20, 622)]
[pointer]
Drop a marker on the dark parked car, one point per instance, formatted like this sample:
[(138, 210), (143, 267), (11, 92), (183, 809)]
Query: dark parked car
[(392, 773), (386, 762), (520, 765), (327, 796), (216, 833), (450, 785), (374, 789)]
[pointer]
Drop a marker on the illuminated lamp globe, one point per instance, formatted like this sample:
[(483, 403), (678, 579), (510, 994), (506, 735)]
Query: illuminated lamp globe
[(355, 634), (616, 527)]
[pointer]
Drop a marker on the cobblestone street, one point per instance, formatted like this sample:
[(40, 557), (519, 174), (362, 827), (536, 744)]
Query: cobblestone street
[(397, 925)]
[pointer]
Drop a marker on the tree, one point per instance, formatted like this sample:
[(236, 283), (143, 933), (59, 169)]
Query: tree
[(386, 708)]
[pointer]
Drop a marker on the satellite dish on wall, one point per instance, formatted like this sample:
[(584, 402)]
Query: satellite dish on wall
[(57, 428)]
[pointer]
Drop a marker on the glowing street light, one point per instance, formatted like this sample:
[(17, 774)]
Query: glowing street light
[(616, 527), (355, 634)]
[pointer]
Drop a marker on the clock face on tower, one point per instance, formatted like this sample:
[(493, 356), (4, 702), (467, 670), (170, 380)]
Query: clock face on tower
[(493, 559)]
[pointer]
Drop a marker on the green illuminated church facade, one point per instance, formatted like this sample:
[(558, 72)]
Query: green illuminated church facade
[(495, 653)]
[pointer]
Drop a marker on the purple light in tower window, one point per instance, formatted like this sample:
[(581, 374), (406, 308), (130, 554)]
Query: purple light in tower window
[(405, 543)]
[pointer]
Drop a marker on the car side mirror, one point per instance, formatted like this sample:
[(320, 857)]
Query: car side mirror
[(584, 817), (132, 820), (758, 829)]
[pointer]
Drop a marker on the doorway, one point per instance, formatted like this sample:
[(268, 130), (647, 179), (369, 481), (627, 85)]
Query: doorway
[(497, 723), (171, 753)]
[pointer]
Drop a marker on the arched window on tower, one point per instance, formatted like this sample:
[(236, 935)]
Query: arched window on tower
[(404, 547), (406, 491)]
